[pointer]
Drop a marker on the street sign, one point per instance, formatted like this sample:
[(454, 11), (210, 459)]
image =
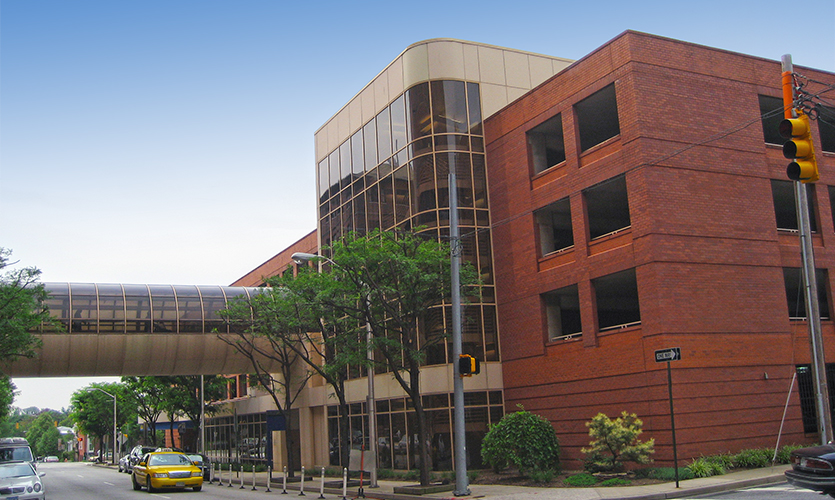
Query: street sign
[(670, 354)]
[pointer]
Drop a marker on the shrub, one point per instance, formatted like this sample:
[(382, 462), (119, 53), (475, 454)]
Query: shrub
[(755, 458), (784, 453), (615, 481), (705, 467), (615, 442), (542, 476), (668, 473), (580, 480), (524, 440)]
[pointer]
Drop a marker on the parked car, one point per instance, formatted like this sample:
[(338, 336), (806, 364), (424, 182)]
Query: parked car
[(51, 458), (814, 469), (202, 461), (166, 469), (136, 454), (21, 481), (16, 449), (124, 464)]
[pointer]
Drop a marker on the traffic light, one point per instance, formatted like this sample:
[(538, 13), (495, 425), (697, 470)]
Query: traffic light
[(468, 365), (799, 147)]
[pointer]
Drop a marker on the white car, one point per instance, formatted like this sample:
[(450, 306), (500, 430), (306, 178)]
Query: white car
[(19, 480)]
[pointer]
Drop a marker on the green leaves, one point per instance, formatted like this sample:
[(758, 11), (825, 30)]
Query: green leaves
[(616, 441), (524, 440)]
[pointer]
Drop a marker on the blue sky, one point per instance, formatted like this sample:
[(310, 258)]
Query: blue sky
[(172, 141)]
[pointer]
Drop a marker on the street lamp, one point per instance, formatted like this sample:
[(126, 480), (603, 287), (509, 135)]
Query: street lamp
[(370, 401), (113, 459)]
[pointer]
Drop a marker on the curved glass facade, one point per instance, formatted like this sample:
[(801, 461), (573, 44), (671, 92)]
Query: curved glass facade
[(392, 173), (122, 308)]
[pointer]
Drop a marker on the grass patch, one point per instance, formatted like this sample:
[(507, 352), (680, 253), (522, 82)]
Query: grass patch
[(580, 480)]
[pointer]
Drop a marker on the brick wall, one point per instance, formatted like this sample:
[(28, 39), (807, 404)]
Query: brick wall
[(703, 241)]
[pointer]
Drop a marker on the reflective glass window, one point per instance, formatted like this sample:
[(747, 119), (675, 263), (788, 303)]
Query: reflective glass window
[(386, 203), (449, 107), (324, 181), (345, 164), (401, 194), (58, 303), (189, 308), (372, 207), (474, 108), (357, 156), (84, 308), (163, 309), (369, 138), (111, 308), (418, 113), (333, 167), (423, 184), (398, 124), (213, 301), (359, 213), (383, 135), (479, 182), (137, 309)]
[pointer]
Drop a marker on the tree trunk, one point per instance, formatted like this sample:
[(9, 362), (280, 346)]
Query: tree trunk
[(291, 444)]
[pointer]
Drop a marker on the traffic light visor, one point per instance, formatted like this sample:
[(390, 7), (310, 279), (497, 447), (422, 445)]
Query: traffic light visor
[(793, 127), (801, 170)]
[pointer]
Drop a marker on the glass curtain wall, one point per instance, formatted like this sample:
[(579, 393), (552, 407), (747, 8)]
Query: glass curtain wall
[(125, 309), (393, 173)]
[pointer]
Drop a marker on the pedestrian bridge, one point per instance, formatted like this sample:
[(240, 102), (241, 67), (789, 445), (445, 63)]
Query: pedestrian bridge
[(121, 330)]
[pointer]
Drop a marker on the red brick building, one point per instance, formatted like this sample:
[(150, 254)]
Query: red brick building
[(639, 202)]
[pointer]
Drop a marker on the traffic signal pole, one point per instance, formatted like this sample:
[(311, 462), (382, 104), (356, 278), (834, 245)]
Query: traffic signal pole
[(822, 404)]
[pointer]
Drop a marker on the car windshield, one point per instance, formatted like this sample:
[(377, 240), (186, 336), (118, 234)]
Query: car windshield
[(16, 470), (21, 453), (169, 459)]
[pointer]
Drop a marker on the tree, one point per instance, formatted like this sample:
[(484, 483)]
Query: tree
[(524, 440), (263, 328), (92, 409), (181, 398), (7, 394), (616, 441), (289, 324), (43, 434), (393, 281), (147, 394)]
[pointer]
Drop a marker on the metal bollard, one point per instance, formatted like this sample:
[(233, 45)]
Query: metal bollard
[(301, 490), (284, 482), (269, 477), (230, 475), (253, 477), (345, 483), (242, 477), (322, 485)]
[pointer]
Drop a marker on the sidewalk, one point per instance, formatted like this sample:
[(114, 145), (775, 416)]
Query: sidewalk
[(385, 491), (688, 489)]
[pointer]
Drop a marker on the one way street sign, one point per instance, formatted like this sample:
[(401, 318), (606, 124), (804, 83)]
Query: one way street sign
[(670, 354)]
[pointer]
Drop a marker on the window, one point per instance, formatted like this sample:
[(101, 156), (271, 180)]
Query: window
[(545, 145), (554, 224), (608, 207), (806, 391), (785, 208), (617, 300), (826, 126), (771, 109), (597, 117), (562, 313), (797, 299)]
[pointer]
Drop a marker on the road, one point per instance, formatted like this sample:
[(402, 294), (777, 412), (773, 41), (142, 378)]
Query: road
[(81, 481), (780, 491)]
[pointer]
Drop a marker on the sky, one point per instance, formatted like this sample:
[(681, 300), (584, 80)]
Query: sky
[(171, 141)]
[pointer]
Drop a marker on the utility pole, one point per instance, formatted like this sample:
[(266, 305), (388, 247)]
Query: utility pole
[(822, 404), (458, 429)]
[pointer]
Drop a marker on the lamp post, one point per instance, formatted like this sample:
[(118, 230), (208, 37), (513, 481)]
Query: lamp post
[(370, 401), (113, 459)]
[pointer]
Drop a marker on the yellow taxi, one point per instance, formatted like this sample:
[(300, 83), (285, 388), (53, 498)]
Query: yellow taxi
[(166, 469)]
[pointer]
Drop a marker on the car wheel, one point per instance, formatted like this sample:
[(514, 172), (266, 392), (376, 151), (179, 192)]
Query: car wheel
[(150, 488), (136, 485), (198, 488)]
